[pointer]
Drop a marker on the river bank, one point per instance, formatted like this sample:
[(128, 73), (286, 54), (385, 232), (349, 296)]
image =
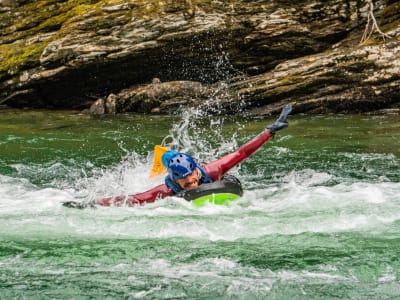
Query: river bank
[(156, 56)]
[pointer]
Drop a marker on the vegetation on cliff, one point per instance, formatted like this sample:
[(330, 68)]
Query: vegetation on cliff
[(327, 55)]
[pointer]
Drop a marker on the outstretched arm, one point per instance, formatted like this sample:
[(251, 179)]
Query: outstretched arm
[(216, 169), (151, 195)]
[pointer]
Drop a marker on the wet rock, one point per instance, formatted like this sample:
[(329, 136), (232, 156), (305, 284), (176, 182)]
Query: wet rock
[(219, 55), (97, 108), (161, 97), (110, 104)]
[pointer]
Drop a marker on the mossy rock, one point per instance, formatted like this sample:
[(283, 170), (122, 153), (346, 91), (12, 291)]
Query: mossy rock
[(18, 56)]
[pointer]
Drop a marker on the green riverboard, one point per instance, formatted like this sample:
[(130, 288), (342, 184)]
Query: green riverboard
[(219, 199)]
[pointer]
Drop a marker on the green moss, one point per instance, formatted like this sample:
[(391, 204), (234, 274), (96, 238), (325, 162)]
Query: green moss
[(291, 79), (291, 85), (70, 10), (32, 14), (17, 56), (43, 16), (51, 15), (38, 17)]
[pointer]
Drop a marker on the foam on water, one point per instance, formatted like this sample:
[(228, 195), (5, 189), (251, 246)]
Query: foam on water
[(309, 229), (300, 202), (219, 274)]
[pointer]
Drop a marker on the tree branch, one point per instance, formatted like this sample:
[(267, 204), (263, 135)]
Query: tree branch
[(372, 25)]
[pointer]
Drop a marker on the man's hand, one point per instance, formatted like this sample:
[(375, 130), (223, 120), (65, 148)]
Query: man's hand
[(80, 205), (281, 122)]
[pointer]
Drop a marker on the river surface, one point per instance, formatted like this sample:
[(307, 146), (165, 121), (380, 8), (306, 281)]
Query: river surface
[(319, 219)]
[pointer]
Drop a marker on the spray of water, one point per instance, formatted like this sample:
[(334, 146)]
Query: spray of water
[(200, 135), (293, 201)]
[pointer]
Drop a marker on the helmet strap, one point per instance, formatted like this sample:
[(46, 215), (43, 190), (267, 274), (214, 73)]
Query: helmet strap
[(175, 187)]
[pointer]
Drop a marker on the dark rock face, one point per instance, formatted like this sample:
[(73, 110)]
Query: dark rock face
[(221, 55)]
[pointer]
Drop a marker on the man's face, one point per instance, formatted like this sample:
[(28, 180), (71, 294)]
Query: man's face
[(190, 181)]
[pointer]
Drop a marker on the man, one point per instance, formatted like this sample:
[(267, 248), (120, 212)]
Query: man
[(184, 173)]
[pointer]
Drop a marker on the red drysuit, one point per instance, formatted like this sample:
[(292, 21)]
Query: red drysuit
[(215, 169)]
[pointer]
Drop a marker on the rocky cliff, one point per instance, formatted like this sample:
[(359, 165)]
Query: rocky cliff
[(151, 56)]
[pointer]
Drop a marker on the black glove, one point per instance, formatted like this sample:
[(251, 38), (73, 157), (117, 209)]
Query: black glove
[(80, 205), (281, 122)]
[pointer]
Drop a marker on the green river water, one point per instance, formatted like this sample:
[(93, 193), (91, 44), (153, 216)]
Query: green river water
[(319, 219)]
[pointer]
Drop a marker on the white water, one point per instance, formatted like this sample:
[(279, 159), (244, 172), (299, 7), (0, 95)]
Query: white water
[(316, 222), (300, 201)]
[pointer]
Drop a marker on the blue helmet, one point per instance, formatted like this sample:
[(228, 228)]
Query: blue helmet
[(166, 157), (180, 165)]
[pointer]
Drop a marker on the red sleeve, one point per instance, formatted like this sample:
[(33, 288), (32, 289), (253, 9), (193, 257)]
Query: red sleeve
[(217, 168), (160, 191)]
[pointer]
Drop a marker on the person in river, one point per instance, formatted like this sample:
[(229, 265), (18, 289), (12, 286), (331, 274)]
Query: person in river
[(185, 173)]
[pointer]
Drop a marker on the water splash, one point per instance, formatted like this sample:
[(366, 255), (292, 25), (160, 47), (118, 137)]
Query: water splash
[(312, 223), (201, 135)]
